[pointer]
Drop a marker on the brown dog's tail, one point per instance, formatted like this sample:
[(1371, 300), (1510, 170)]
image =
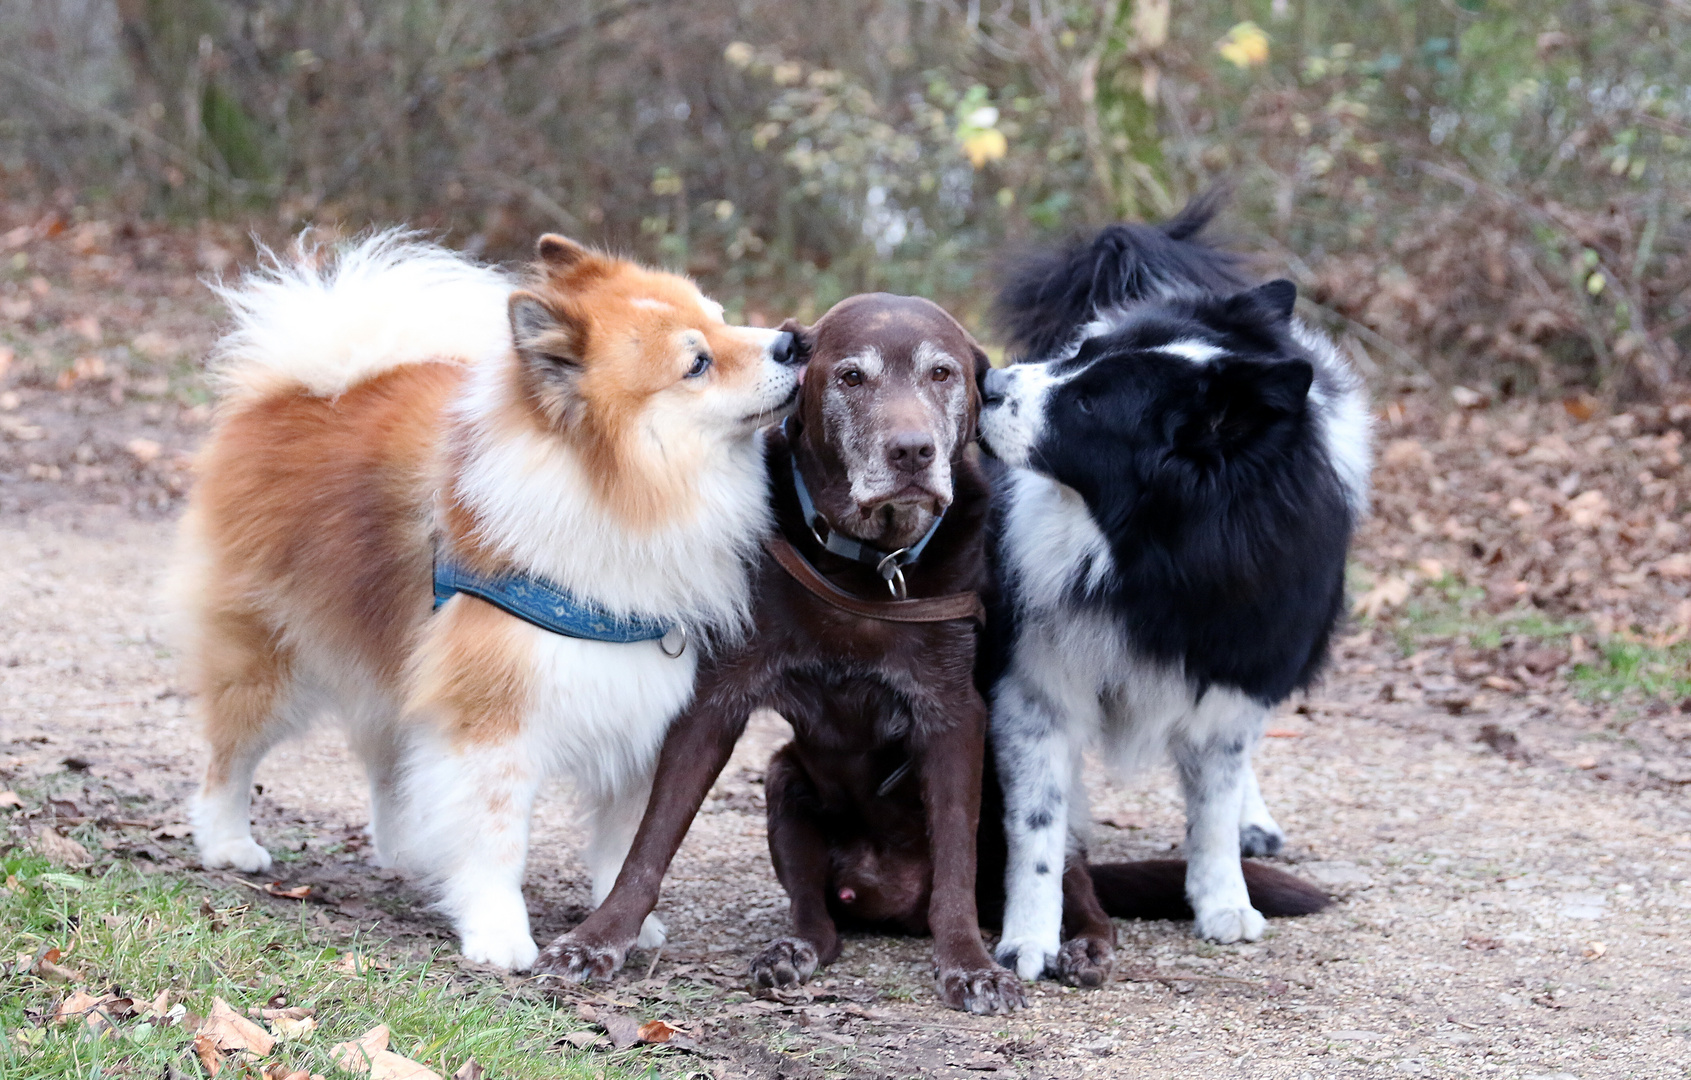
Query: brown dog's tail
[(1156, 889)]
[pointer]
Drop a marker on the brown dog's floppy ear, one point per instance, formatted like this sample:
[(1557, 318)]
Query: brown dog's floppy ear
[(559, 252), (549, 345)]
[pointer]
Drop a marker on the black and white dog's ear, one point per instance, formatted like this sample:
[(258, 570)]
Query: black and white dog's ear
[(550, 344), (1243, 398), (1274, 300), (1272, 387)]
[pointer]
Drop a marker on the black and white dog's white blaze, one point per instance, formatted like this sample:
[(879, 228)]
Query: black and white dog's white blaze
[(1187, 462)]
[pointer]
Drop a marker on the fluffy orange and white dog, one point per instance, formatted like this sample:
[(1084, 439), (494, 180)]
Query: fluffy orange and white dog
[(595, 429)]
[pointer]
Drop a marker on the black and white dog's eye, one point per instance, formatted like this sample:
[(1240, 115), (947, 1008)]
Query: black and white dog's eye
[(701, 364), (852, 377), (941, 374), (1084, 404)]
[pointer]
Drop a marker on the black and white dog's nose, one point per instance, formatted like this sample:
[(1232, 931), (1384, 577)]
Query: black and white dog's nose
[(995, 383), (785, 349)]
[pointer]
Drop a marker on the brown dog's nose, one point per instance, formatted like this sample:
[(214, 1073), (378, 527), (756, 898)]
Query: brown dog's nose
[(910, 451)]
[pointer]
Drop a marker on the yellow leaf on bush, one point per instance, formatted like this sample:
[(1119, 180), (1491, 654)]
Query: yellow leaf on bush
[(986, 145), (1245, 46)]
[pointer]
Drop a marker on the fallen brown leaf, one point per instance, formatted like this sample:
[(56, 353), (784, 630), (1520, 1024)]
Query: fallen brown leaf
[(229, 1030), (387, 1065), (655, 1031), (77, 1007), (210, 1056), (293, 1027), (581, 1040), (46, 969), (59, 848), (145, 451), (1581, 407), (623, 1030), (352, 1055), (1388, 594), (1283, 733), (369, 1053), (297, 892), (9, 800), (470, 1070)]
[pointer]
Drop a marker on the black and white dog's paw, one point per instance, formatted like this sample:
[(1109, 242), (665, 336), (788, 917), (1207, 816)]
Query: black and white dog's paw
[(1028, 959), (1227, 925), (1256, 841)]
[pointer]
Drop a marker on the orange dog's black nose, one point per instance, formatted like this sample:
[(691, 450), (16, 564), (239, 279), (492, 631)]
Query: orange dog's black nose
[(910, 451), (785, 349)]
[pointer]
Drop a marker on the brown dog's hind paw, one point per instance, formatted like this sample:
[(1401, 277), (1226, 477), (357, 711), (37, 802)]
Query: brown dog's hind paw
[(990, 991), (572, 960), (786, 961), (1085, 962)]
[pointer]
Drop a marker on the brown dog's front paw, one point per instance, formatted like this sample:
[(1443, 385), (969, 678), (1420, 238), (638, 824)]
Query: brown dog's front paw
[(989, 991), (1085, 962), (784, 962), (577, 960)]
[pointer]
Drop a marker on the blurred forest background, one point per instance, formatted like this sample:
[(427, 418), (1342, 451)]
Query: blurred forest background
[(1491, 194)]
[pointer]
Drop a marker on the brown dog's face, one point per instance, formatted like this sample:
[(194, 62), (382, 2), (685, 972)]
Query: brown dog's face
[(889, 402)]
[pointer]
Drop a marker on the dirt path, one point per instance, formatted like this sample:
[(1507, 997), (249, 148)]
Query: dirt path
[(1497, 918)]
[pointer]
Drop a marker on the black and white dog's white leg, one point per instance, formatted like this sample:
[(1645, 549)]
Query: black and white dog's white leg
[(1259, 833), (1214, 769), (1036, 766)]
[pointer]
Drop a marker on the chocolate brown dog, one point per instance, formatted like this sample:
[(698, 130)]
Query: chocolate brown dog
[(876, 863), (867, 615)]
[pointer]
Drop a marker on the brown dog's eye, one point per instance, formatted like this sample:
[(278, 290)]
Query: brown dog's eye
[(852, 378), (941, 374)]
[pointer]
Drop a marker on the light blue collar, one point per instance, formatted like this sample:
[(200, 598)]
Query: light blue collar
[(889, 564), (552, 607)]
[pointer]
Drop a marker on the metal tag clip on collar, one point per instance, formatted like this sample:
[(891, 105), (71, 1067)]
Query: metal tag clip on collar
[(888, 564)]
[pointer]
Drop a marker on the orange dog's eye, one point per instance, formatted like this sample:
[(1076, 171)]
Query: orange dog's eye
[(701, 364), (941, 374), (852, 378)]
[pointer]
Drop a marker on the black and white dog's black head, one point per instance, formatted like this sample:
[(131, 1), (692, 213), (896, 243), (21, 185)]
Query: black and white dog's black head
[(1152, 405), (1220, 447)]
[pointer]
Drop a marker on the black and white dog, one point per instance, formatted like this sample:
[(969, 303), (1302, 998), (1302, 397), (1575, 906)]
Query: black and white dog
[(1187, 464)]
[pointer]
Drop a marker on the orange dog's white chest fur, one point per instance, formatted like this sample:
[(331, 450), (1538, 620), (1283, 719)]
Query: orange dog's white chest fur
[(597, 429)]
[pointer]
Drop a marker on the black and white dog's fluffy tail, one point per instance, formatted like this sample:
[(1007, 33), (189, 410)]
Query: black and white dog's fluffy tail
[(1156, 889), (1050, 294)]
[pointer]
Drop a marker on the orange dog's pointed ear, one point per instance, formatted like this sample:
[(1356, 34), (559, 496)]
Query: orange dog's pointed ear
[(550, 343), (559, 252)]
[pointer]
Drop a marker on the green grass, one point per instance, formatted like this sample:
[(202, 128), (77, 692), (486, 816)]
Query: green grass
[(1617, 668), (136, 934), (1634, 666)]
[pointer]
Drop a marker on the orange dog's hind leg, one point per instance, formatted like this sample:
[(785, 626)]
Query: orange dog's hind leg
[(249, 699)]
